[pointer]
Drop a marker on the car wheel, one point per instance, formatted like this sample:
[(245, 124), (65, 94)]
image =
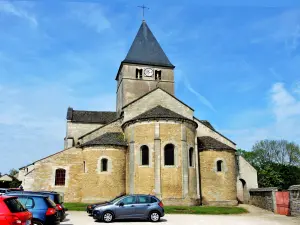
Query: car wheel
[(34, 222), (108, 217), (154, 216)]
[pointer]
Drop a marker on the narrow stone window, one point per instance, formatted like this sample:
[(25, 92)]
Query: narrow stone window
[(169, 155), (84, 167), (191, 157), (157, 74), (144, 155), (138, 73), (60, 177), (219, 166), (104, 165)]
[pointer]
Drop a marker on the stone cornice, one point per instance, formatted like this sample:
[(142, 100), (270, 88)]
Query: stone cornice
[(133, 121)]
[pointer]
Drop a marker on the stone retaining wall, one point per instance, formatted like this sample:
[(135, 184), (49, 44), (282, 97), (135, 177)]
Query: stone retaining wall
[(264, 198), (295, 200)]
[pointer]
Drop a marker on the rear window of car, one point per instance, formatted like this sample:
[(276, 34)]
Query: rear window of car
[(2, 191), (14, 205), (153, 200), (50, 203), (57, 199)]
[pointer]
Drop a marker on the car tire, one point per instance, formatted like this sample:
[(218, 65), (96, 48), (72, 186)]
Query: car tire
[(154, 216), (35, 222), (107, 217)]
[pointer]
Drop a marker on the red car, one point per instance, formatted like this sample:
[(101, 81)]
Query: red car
[(12, 212)]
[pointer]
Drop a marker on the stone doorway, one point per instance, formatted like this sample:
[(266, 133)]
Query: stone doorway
[(242, 191)]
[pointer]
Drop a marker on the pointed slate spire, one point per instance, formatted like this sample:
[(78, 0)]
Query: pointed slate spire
[(146, 50)]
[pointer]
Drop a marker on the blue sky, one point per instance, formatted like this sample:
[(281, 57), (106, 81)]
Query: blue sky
[(237, 65)]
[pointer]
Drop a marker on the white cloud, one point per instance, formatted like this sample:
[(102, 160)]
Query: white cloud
[(297, 88), (284, 104), (285, 111), (284, 28), (91, 15), (12, 9)]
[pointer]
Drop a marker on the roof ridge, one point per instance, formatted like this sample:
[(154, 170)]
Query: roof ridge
[(153, 91)]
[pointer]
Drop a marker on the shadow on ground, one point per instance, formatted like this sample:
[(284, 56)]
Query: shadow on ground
[(132, 220)]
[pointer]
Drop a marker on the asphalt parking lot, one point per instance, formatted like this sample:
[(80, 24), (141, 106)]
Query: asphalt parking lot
[(255, 217)]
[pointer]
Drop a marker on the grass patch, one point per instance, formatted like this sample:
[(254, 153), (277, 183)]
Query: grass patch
[(76, 206), (204, 210)]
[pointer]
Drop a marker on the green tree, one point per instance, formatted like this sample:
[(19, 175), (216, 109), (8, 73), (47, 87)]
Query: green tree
[(277, 162), (15, 183), (277, 151), (13, 172)]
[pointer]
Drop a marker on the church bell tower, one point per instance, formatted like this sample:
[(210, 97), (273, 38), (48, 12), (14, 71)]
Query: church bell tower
[(145, 68)]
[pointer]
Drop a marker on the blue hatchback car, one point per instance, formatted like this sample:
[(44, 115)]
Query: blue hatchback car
[(43, 209), (130, 207)]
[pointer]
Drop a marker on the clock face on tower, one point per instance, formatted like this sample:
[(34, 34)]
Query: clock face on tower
[(148, 72)]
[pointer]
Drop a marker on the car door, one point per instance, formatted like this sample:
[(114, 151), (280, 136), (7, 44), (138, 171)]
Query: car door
[(142, 206), (127, 210)]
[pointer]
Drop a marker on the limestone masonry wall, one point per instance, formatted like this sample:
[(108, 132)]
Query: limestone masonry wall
[(157, 97), (75, 129), (171, 176), (70, 160), (129, 88), (144, 175), (84, 180), (264, 198), (166, 182), (112, 127), (103, 186), (218, 188), (295, 200)]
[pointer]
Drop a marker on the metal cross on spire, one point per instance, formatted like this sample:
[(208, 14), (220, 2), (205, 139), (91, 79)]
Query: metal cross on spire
[(143, 7)]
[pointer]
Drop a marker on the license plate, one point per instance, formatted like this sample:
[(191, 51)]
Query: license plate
[(28, 222)]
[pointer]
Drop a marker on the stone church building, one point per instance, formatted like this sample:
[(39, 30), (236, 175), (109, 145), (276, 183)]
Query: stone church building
[(151, 144)]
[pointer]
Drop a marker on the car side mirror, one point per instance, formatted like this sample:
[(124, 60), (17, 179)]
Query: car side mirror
[(121, 204)]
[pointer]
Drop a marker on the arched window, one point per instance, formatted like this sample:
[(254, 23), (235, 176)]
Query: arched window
[(144, 155), (169, 155), (191, 157), (60, 177), (219, 165), (104, 165)]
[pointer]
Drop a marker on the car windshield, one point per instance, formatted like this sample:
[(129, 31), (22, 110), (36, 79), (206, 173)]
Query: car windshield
[(14, 205), (116, 199), (2, 191)]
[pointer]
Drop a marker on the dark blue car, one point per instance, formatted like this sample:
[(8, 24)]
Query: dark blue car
[(43, 209), (56, 198)]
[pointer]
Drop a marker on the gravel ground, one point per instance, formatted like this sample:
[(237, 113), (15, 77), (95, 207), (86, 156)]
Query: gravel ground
[(256, 216)]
